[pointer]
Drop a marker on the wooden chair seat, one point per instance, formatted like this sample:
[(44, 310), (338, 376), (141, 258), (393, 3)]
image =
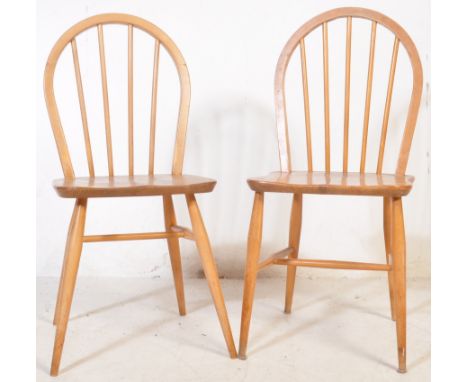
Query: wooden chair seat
[(333, 183), (137, 185)]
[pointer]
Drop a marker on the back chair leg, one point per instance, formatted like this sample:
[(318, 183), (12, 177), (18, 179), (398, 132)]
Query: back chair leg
[(174, 253), (294, 239), (58, 304), (250, 276), (211, 273), (399, 264), (72, 260), (387, 223)]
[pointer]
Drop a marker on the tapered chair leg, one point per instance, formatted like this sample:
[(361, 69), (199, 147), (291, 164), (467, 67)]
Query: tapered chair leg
[(387, 223), (174, 253), (250, 276), (211, 273), (399, 264), (294, 239), (64, 265), (69, 280)]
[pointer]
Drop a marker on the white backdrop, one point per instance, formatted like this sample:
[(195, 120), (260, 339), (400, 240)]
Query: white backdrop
[(231, 49)]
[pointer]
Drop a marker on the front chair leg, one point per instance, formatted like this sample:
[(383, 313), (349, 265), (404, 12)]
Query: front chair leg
[(399, 266), (69, 279), (294, 238), (58, 305), (174, 252), (211, 273), (250, 276)]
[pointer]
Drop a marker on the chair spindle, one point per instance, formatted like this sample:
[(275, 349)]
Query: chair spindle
[(84, 117), (105, 97), (368, 96), (130, 101), (326, 95), (305, 90), (347, 87), (388, 101), (153, 107)]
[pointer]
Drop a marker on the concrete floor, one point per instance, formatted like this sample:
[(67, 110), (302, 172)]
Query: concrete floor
[(129, 330)]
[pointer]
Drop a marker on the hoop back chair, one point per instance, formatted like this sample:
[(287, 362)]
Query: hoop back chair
[(167, 185), (391, 187)]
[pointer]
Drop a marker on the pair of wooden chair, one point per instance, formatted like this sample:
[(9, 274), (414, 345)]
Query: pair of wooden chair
[(391, 187)]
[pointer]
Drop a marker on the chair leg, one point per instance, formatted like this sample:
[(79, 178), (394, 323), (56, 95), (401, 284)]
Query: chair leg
[(387, 223), (69, 280), (294, 239), (58, 304), (211, 273), (250, 276), (399, 265), (174, 253)]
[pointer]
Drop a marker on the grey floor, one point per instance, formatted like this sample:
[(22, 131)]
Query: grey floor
[(129, 330)]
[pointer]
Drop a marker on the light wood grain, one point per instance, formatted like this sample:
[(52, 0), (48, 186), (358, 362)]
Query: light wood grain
[(138, 185), (295, 225), (131, 236), (166, 185), (349, 24), (326, 95), (387, 225), (154, 98), (210, 270), (391, 187), (186, 232), (174, 252), (131, 155), (71, 227), (270, 259), (69, 280), (334, 183), (131, 22), (333, 264), (305, 91), (250, 276), (370, 76), (84, 117), (105, 100), (322, 21), (399, 267), (388, 102)]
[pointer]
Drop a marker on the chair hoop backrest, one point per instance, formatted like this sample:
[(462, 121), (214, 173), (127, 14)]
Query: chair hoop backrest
[(161, 38), (297, 40)]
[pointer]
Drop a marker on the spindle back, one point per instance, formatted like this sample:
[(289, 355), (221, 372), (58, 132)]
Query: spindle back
[(161, 39), (297, 41)]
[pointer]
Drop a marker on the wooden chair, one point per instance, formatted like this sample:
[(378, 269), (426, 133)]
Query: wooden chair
[(391, 187), (92, 186)]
